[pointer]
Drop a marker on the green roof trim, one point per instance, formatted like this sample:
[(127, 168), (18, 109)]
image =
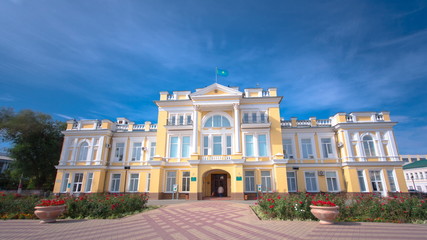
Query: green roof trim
[(417, 164)]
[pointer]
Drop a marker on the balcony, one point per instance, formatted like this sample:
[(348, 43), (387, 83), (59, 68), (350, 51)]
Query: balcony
[(257, 122), (179, 124), (216, 157)]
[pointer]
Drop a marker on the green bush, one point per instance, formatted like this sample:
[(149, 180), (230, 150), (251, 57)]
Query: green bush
[(14, 206), (361, 207)]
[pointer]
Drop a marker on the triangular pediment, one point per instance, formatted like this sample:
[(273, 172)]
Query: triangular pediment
[(216, 89)]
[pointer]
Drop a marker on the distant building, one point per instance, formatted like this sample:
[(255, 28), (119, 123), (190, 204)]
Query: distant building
[(412, 158), (416, 175), (220, 136), (5, 161)]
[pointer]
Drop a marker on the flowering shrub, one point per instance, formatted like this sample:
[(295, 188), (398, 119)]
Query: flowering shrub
[(360, 207), (323, 203), (53, 202), (88, 206)]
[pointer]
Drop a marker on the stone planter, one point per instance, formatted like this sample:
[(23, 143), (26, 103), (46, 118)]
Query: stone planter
[(48, 214), (325, 214)]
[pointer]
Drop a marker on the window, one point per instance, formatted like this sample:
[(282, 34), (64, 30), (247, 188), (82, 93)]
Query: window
[(361, 177), (262, 145), (147, 187), (64, 184), (136, 151), (292, 181), (249, 181), (425, 174), (228, 145), (133, 182), (416, 176), (311, 181), (288, 148), (422, 159), (421, 175), (263, 118), (89, 182), (419, 189), (217, 145), (249, 140), (392, 182), (115, 182), (120, 147), (405, 159), (246, 118), (413, 159), (265, 181), (78, 181), (173, 147), (332, 182), (326, 147), (205, 145), (185, 147), (368, 146), (217, 121), (170, 181), (179, 119), (407, 176), (152, 150), (376, 182), (83, 151), (185, 181), (307, 150)]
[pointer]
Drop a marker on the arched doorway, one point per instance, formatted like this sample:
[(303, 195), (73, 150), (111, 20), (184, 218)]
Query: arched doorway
[(213, 179)]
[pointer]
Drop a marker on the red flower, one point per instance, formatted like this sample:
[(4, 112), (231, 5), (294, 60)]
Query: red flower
[(300, 202), (53, 202), (278, 197), (271, 206), (323, 203)]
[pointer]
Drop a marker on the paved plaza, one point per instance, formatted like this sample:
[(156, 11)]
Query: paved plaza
[(204, 220)]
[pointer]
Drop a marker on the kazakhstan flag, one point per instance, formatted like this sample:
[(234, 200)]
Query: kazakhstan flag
[(221, 72)]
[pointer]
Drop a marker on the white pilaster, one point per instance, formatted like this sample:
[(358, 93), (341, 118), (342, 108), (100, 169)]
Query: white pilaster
[(359, 147), (349, 146), (380, 147), (195, 128), (237, 135)]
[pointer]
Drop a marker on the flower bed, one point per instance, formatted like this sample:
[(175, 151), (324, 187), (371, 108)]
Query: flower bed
[(361, 207), (13, 206)]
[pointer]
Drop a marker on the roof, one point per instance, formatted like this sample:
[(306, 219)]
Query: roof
[(417, 164)]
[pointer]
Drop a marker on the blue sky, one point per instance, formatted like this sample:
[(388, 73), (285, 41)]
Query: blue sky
[(108, 59)]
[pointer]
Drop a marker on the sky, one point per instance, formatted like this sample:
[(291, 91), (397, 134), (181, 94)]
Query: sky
[(107, 59)]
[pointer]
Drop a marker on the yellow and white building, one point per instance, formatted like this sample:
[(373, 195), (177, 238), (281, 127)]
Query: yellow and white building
[(219, 135)]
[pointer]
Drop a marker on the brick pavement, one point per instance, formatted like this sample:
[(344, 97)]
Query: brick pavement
[(204, 220)]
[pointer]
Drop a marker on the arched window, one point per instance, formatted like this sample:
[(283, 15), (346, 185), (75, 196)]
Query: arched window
[(83, 149), (217, 121), (368, 146)]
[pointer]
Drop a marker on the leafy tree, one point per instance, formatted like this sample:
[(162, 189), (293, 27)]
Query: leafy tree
[(36, 145)]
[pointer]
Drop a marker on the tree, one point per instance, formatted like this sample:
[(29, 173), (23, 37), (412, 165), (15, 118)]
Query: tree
[(36, 145)]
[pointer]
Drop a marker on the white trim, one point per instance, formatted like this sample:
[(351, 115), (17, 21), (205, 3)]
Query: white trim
[(111, 182), (316, 177), (337, 178)]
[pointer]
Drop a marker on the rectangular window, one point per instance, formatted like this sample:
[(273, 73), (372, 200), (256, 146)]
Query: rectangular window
[(136, 151), (115, 182), (78, 181), (133, 182), (228, 145), (287, 148), (262, 145), (263, 118), (421, 175), (174, 147), (326, 147), (391, 180), (205, 145), (377, 184), (89, 182), (189, 122), (249, 142), (185, 181), (64, 185), (246, 118), (413, 159), (405, 159), (217, 145), (307, 151), (332, 181), (185, 148), (311, 181), (147, 187), (120, 148), (361, 177), (181, 119), (249, 181), (407, 176), (170, 181), (265, 181), (292, 181), (173, 120), (152, 150), (254, 120)]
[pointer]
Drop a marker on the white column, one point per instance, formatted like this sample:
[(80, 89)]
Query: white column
[(237, 135), (380, 146), (195, 128), (392, 146), (360, 148), (349, 146)]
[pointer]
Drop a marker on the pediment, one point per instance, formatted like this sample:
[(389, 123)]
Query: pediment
[(216, 89)]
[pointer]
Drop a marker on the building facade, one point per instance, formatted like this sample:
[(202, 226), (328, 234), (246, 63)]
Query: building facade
[(220, 136), (416, 175), (406, 159)]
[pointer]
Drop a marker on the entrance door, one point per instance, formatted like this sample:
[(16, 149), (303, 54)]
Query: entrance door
[(219, 180)]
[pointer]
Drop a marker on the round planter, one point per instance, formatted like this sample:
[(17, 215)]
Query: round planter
[(326, 215), (48, 214)]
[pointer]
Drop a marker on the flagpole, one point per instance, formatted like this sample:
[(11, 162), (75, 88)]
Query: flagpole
[(216, 74)]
